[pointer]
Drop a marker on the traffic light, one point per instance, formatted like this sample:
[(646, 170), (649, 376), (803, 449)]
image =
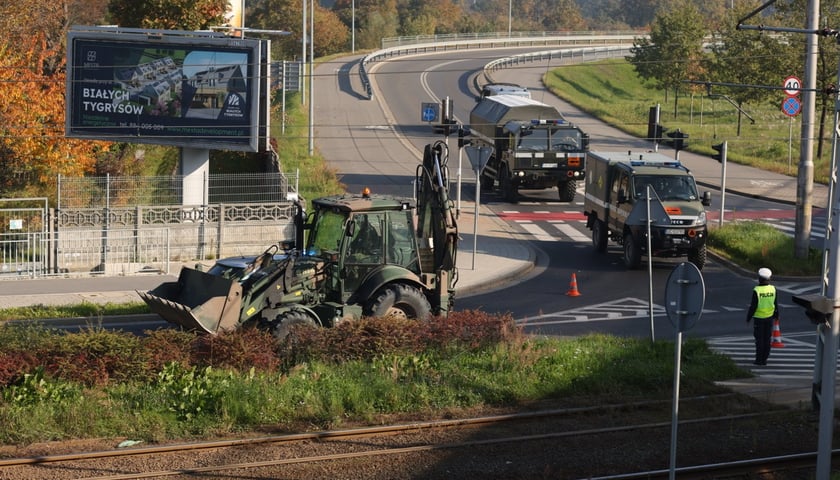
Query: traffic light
[(818, 308), (659, 132), (462, 133), (721, 149), (678, 139)]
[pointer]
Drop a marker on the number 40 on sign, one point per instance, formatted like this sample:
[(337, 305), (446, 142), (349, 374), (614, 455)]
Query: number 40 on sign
[(792, 86)]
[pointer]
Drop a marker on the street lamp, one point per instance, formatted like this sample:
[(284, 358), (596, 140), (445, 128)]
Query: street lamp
[(510, 15), (353, 26)]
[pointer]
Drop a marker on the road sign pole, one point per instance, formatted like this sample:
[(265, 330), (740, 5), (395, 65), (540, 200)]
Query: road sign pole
[(458, 184), (475, 215), (675, 406)]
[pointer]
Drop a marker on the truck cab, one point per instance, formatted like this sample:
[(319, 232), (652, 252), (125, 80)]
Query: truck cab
[(616, 203)]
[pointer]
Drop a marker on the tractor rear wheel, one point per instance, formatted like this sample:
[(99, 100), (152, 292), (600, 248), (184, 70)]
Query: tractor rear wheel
[(399, 301), (286, 322)]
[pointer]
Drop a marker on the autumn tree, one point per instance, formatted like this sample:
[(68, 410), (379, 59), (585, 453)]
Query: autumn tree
[(331, 35), (792, 14), (33, 149), (21, 19), (748, 59), (674, 51), (375, 20), (169, 14)]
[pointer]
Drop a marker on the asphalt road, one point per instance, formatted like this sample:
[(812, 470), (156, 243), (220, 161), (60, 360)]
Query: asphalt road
[(388, 135)]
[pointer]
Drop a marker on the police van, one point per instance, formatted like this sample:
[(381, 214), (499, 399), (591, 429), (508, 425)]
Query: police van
[(621, 187)]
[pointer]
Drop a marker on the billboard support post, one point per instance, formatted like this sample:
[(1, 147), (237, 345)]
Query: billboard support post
[(195, 166)]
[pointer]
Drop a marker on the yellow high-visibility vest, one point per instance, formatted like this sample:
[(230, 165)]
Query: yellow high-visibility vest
[(766, 301)]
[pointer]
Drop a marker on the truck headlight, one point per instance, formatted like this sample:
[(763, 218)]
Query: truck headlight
[(701, 219)]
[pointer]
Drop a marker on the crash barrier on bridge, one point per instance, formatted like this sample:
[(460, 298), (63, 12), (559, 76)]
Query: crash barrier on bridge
[(464, 42), (561, 56)]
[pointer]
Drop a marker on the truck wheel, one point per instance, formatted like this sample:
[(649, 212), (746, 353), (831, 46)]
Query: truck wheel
[(399, 301), (509, 190), (632, 252), (697, 256), (486, 183), (286, 322), (567, 189), (599, 235)]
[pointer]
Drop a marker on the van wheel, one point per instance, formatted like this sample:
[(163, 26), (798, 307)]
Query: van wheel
[(399, 301), (697, 256), (632, 252), (486, 183), (599, 236), (509, 190), (288, 322), (567, 189)]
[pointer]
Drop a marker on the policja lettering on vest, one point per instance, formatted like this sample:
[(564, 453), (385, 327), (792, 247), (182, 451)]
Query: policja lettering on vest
[(763, 311)]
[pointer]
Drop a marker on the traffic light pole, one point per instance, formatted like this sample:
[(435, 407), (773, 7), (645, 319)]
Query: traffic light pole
[(825, 362)]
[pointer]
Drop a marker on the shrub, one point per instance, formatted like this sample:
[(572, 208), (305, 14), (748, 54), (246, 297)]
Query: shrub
[(370, 338), (240, 350), (96, 356), (167, 345)]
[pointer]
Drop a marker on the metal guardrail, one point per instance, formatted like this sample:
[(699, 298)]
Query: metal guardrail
[(443, 43), (388, 42), (576, 55)]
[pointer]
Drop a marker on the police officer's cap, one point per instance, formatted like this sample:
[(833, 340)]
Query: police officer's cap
[(764, 273)]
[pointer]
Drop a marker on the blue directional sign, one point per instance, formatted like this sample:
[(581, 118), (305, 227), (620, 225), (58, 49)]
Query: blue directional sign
[(429, 111), (791, 106)]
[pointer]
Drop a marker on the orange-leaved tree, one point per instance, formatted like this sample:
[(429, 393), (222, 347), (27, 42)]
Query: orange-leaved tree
[(33, 148)]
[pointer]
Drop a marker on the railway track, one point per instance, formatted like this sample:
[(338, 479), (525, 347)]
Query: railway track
[(585, 442)]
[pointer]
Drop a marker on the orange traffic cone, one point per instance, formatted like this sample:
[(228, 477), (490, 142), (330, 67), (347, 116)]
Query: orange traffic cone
[(777, 335), (573, 290)]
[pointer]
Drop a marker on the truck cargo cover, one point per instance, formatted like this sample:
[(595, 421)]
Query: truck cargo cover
[(499, 109)]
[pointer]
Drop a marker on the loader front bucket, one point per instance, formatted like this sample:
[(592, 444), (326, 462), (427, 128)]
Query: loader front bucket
[(197, 301)]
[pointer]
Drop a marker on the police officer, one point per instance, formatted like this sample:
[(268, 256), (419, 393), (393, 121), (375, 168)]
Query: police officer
[(763, 311)]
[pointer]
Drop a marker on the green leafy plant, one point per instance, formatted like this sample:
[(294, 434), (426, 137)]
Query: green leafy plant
[(191, 392), (34, 387)]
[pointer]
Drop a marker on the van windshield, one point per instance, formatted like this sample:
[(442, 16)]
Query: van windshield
[(667, 187)]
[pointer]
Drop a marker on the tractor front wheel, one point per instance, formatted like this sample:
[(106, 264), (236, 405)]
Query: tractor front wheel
[(399, 301), (287, 322)]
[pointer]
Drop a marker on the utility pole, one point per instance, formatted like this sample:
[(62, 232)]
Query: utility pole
[(805, 176)]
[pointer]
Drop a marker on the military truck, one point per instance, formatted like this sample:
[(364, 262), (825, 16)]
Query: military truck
[(534, 147), (616, 206), (364, 255)]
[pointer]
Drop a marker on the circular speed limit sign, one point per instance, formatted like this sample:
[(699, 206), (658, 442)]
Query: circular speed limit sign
[(792, 86)]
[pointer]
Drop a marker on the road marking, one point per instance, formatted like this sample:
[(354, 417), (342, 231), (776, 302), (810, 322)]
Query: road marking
[(621, 309), (570, 231)]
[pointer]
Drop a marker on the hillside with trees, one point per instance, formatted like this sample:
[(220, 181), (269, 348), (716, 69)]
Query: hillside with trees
[(33, 150)]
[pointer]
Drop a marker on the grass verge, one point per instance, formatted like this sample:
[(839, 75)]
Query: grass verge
[(611, 91), (410, 372)]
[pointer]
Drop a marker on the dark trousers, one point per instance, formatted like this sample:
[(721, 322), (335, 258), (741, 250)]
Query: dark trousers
[(762, 331)]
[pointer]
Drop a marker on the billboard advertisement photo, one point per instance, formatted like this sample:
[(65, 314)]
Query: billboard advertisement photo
[(190, 89)]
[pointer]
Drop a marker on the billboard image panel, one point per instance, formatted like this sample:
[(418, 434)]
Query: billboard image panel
[(188, 89)]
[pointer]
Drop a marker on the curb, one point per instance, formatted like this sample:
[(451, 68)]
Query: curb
[(750, 274)]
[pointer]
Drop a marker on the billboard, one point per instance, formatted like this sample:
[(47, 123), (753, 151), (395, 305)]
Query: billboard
[(189, 89)]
